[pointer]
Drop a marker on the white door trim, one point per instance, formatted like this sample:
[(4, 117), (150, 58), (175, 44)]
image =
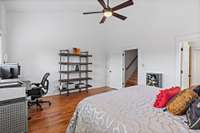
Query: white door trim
[(178, 41)]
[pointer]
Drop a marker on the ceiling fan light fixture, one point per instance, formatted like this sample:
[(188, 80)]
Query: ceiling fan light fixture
[(108, 14)]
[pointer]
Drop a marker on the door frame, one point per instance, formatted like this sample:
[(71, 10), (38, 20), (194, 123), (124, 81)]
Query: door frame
[(190, 67), (178, 41), (121, 51), (192, 49), (124, 65), (182, 45)]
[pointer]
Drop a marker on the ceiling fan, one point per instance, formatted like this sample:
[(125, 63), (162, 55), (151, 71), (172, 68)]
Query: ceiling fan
[(108, 11)]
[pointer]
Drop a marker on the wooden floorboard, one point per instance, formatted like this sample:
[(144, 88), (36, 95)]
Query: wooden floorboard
[(54, 119)]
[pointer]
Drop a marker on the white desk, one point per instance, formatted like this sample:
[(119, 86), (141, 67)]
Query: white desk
[(12, 93), (9, 93)]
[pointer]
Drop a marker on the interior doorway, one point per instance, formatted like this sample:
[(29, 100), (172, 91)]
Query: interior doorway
[(195, 64), (189, 64), (130, 67)]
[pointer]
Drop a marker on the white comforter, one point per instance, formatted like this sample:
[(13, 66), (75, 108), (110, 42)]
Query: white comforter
[(128, 110)]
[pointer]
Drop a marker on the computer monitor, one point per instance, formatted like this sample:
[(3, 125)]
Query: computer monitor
[(9, 71)]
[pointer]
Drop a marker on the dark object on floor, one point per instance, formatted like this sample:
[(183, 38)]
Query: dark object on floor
[(38, 90), (193, 115)]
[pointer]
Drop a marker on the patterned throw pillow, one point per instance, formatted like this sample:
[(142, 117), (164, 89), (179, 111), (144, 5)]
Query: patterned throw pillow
[(196, 89), (180, 103)]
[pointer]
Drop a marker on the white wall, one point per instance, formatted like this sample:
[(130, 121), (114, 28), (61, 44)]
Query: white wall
[(36, 34), (195, 44), (2, 31), (152, 27), (37, 30)]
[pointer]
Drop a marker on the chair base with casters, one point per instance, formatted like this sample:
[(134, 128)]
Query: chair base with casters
[(38, 103)]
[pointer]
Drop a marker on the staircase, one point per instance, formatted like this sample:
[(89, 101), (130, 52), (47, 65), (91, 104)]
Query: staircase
[(133, 80)]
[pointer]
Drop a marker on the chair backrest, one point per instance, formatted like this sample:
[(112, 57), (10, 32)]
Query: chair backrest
[(45, 83)]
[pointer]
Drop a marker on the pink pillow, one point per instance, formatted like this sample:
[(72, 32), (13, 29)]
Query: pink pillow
[(165, 95)]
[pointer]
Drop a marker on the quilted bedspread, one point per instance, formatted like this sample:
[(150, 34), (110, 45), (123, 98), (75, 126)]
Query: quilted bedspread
[(128, 110)]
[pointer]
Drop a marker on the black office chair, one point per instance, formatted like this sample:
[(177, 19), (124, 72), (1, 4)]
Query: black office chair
[(38, 90)]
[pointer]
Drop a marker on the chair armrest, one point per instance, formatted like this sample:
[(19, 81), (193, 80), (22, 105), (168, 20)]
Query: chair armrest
[(36, 84)]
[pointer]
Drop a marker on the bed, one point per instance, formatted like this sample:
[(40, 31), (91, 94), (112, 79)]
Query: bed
[(127, 110)]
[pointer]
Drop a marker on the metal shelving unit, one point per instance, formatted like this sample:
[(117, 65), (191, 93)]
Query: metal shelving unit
[(69, 76)]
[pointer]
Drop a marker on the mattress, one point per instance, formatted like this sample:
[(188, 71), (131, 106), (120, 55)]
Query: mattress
[(129, 110)]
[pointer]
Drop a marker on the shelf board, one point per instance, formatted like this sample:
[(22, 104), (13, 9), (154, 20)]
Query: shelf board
[(88, 86), (73, 63), (82, 71), (71, 54), (74, 79)]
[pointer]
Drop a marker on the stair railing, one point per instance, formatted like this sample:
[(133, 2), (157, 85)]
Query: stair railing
[(130, 64)]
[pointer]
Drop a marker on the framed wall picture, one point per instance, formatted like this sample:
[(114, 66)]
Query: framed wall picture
[(154, 79)]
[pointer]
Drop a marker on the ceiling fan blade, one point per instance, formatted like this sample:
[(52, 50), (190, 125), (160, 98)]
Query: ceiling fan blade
[(103, 20), (86, 13), (123, 5), (119, 16), (108, 3), (102, 3)]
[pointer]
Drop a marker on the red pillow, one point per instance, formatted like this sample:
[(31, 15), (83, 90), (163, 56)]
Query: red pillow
[(162, 99), (165, 95), (173, 91)]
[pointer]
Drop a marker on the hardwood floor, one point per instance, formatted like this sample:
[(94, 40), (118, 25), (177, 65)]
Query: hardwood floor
[(55, 119)]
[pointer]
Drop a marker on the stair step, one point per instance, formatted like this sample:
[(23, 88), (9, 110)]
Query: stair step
[(133, 80), (132, 84)]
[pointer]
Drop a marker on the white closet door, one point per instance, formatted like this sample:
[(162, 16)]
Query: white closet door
[(185, 65), (114, 68), (196, 67)]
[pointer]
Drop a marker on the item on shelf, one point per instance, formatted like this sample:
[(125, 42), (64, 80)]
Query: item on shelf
[(64, 51), (70, 86), (82, 85), (77, 68), (77, 51), (77, 86)]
